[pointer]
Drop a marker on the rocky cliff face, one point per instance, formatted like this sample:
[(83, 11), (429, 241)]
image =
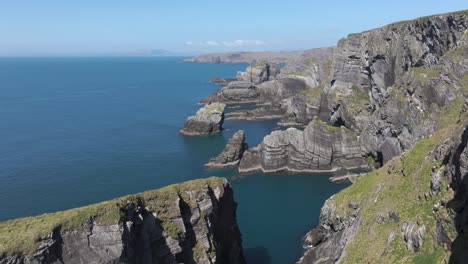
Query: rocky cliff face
[(375, 59), (259, 73), (410, 210), (318, 147), (385, 82), (208, 120), (327, 241), (193, 222), (232, 153)]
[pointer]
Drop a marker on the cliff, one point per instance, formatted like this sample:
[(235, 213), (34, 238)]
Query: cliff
[(389, 83), (192, 222), (318, 147), (412, 210)]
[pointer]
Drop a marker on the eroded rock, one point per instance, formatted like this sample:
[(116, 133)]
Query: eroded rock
[(208, 120), (231, 154)]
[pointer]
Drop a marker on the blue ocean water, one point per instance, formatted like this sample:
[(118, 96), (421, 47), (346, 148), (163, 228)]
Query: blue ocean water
[(75, 131)]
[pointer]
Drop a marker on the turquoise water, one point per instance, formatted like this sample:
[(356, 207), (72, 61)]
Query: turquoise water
[(76, 131)]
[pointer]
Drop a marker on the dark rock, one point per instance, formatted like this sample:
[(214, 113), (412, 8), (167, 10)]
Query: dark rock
[(208, 120), (327, 242), (231, 154)]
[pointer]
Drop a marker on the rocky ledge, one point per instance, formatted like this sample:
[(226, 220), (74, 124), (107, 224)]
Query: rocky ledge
[(318, 147), (192, 222), (208, 120), (232, 153)]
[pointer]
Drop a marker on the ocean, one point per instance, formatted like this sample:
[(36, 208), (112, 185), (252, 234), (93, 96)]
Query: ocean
[(76, 131)]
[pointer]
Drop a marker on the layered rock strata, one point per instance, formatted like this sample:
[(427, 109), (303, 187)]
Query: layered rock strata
[(193, 222), (317, 147), (232, 153), (208, 120)]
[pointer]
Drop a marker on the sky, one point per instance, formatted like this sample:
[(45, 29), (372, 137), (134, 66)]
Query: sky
[(142, 27)]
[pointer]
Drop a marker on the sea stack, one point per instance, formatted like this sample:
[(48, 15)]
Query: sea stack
[(208, 120), (231, 154)]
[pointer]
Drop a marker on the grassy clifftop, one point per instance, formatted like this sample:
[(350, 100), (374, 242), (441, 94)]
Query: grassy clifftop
[(20, 235), (402, 188)]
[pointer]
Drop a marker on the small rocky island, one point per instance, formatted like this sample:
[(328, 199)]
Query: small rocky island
[(208, 120), (232, 153)]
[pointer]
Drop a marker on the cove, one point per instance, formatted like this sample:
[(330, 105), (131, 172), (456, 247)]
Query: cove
[(77, 131)]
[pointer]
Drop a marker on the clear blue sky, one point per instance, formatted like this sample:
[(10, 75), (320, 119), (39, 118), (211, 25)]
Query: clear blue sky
[(87, 27)]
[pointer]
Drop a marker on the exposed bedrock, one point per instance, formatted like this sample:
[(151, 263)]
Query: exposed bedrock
[(375, 59), (389, 82), (327, 242), (208, 120), (299, 112), (193, 222), (236, 92), (259, 73), (269, 92), (456, 155), (312, 66), (318, 147), (231, 154)]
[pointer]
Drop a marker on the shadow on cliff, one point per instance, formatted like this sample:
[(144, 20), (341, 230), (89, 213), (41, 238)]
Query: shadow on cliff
[(143, 237), (459, 203), (257, 255)]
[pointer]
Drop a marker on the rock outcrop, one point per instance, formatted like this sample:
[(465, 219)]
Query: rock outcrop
[(232, 153), (312, 66), (326, 242), (208, 120), (245, 92), (385, 82), (193, 222), (318, 147), (259, 73), (413, 235)]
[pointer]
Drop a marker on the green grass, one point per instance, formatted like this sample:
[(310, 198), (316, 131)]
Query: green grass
[(424, 73), (311, 94), (458, 54), (400, 186), (356, 102), (310, 61), (18, 236)]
